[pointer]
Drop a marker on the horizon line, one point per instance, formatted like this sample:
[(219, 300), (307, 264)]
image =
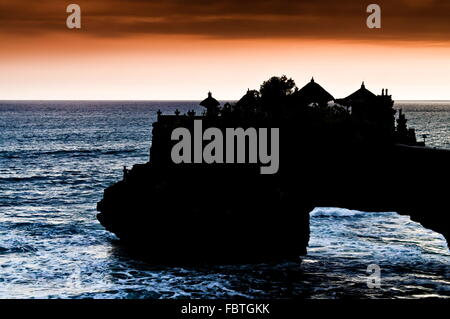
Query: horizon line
[(165, 100)]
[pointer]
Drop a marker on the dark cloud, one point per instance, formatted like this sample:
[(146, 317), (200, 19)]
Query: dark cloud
[(416, 20)]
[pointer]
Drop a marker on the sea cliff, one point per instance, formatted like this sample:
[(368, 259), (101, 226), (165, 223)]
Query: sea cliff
[(348, 154)]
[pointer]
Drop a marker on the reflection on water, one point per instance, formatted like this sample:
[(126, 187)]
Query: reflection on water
[(55, 161)]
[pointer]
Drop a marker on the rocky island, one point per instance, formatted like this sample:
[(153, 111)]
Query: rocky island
[(352, 153)]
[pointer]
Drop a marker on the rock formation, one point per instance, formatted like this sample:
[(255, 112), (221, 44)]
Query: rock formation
[(343, 154)]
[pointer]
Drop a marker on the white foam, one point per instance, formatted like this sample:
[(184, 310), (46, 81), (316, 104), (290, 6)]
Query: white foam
[(334, 212)]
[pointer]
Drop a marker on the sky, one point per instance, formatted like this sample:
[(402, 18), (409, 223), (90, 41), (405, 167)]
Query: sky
[(180, 50)]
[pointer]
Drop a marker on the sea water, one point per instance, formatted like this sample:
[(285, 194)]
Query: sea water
[(56, 158)]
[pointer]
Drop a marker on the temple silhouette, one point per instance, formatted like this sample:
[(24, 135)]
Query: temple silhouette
[(350, 152)]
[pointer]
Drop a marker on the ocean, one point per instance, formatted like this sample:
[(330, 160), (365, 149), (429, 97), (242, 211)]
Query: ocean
[(56, 158)]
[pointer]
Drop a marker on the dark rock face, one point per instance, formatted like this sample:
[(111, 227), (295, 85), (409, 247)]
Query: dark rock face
[(213, 213), (230, 212)]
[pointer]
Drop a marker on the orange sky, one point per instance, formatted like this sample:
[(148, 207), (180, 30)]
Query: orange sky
[(176, 49)]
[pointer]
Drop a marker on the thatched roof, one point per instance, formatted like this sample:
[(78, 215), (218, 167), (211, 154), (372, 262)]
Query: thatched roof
[(362, 95), (209, 102), (313, 93), (250, 98)]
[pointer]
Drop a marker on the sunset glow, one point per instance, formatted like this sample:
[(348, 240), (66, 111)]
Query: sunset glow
[(146, 51)]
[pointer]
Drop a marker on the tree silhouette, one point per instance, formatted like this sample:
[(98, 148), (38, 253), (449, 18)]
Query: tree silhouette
[(274, 94), (277, 87)]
